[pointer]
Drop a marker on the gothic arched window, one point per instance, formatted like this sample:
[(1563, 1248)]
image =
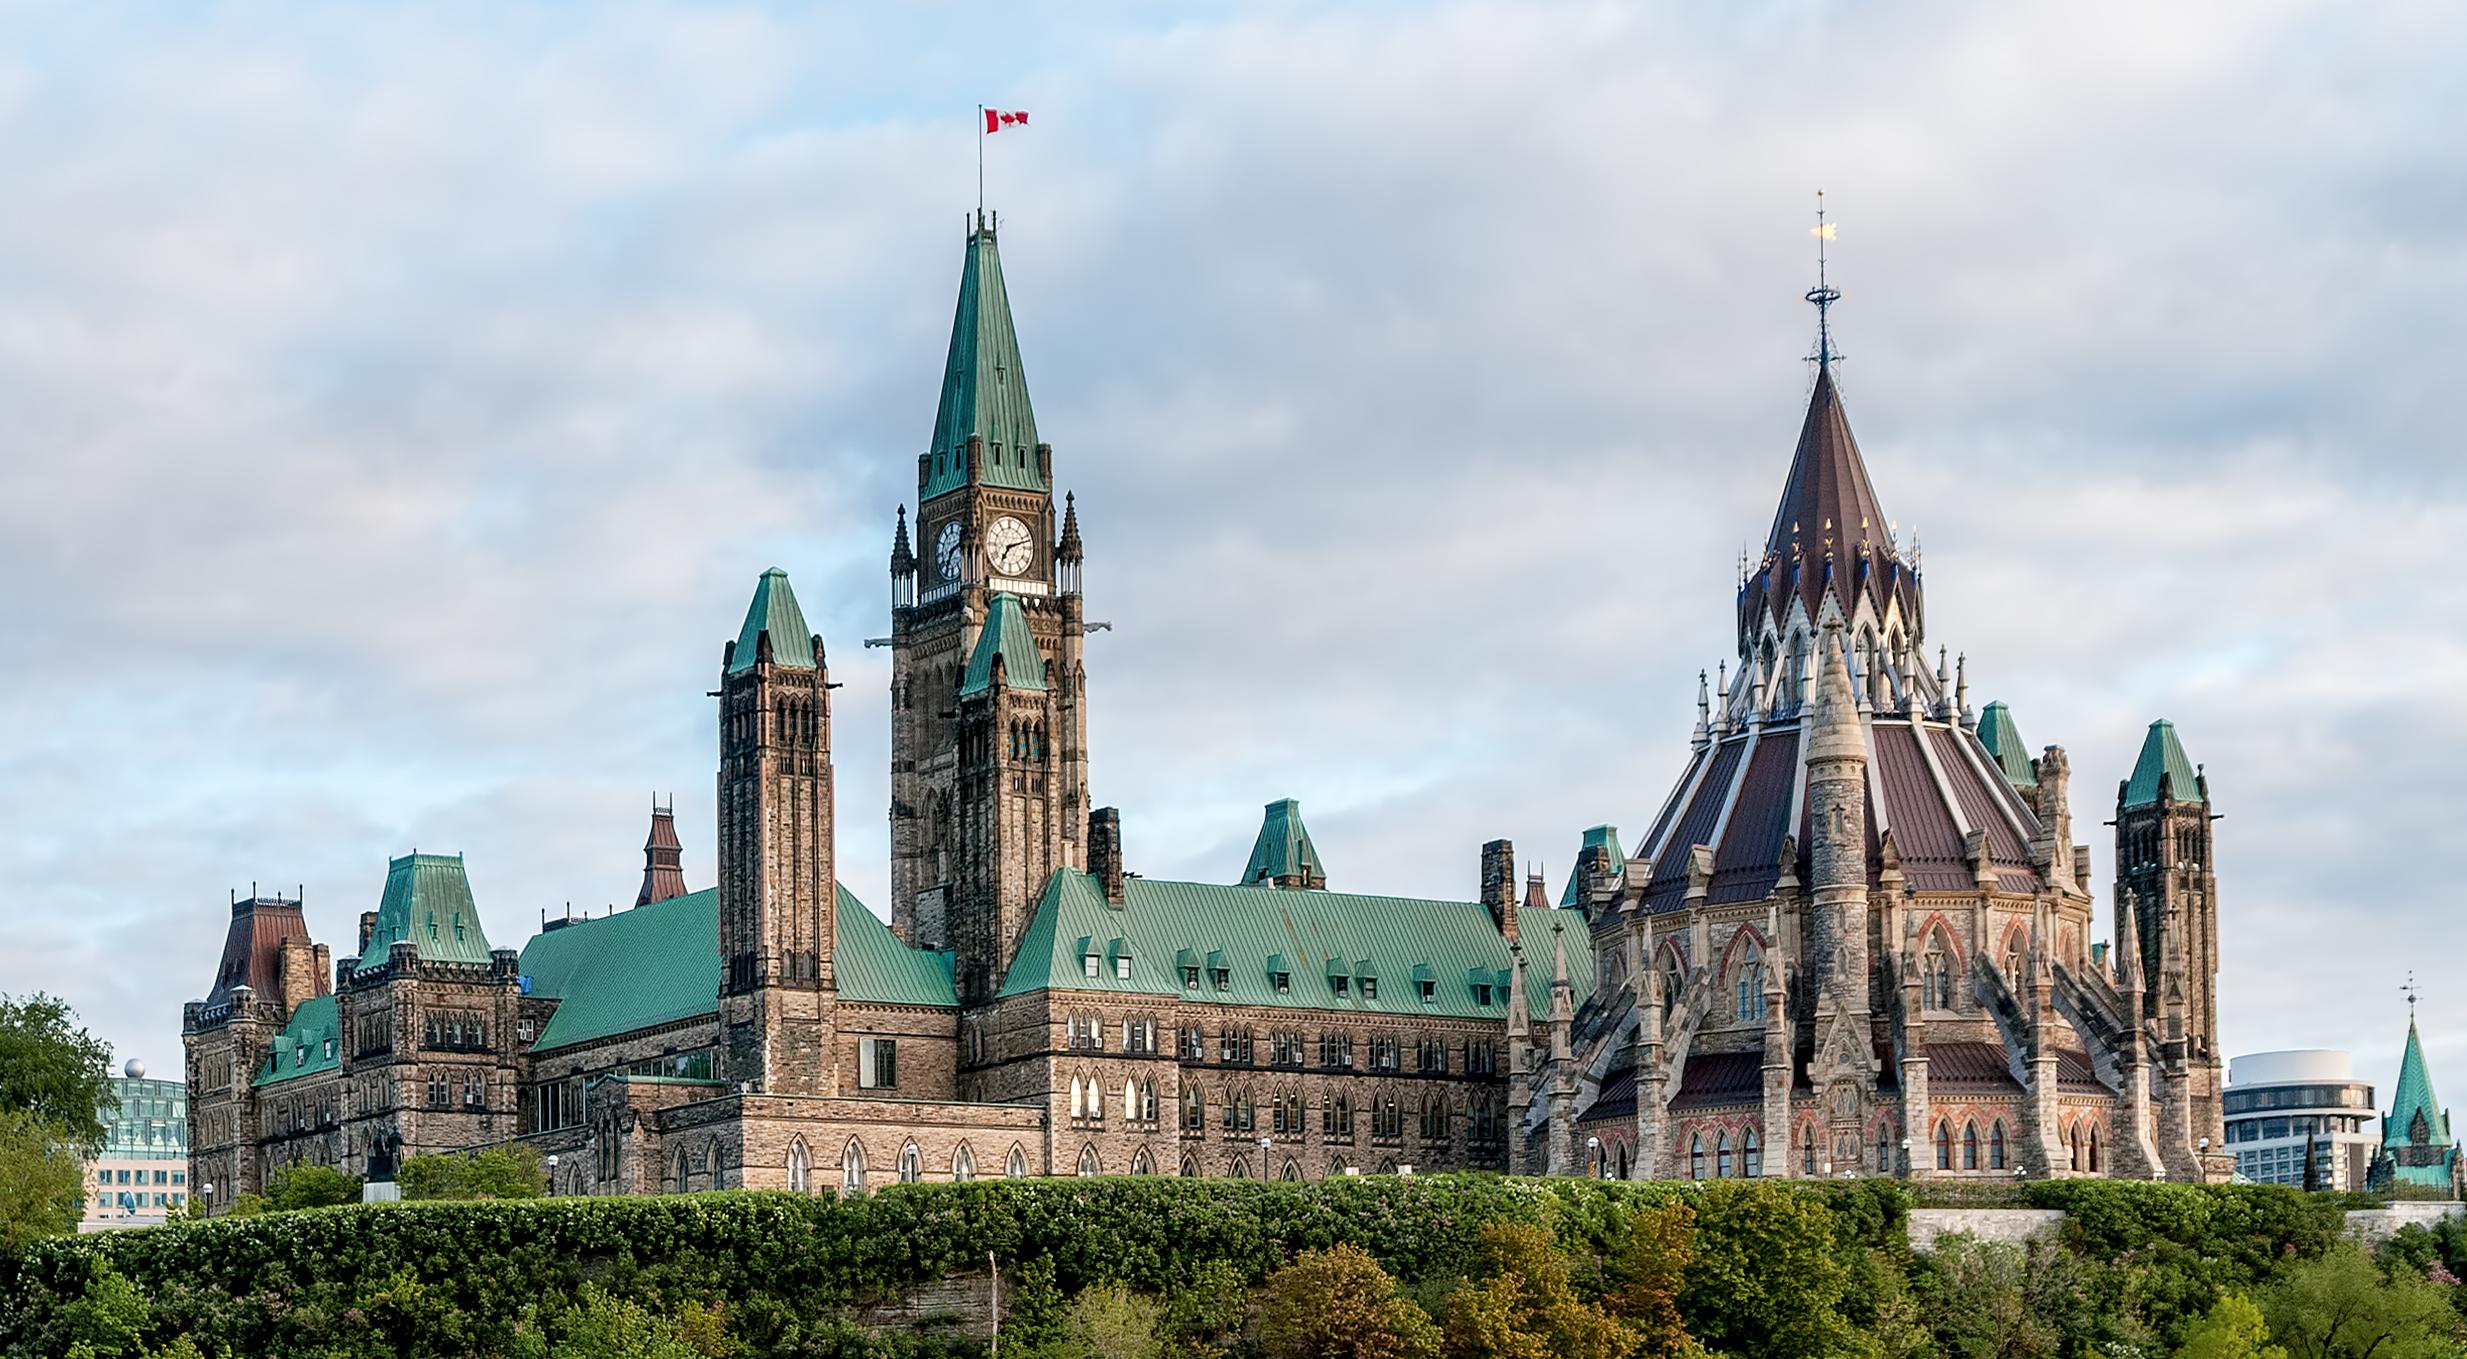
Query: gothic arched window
[(852, 1168), (1995, 1145), (1293, 1171), (1751, 983), (1696, 1157), (1884, 1150), (1017, 1165), (1751, 1155), (911, 1165), (1721, 1157), (1807, 1151), (800, 1166), (1944, 1147), (963, 1165), (1970, 1146), (1087, 1159)]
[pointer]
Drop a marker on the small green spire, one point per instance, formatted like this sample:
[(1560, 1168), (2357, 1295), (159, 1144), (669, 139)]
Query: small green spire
[(2414, 1099), (984, 387), (1005, 635), (428, 904), (1284, 849), (2005, 746), (775, 611), (2162, 753)]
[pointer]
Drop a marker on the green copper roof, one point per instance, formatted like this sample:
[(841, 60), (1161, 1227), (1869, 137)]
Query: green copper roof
[(306, 1045), (1313, 937), (1608, 838), (2161, 753), (984, 388), (2005, 746), (1284, 847), (1006, 635), (2414, 1097), (660, 963), (869, 963), (775, 611), (428, 902)]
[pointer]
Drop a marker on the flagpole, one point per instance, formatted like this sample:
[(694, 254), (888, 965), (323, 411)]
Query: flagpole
[(980, 164)]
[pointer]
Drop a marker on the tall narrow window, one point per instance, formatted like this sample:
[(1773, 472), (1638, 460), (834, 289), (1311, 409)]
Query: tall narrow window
[(1970, 1146), (800, 1168), (1995, 1145), (1721, 1157), (911, 1165), (1751, 984), (1087, 1160), (1944, 1147), (852, 1169), (1807, 1151), (1751, 1155), (1017, 1165), (963, 1165)]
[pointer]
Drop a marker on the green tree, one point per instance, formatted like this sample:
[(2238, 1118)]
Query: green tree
[(311, 1186), (1108, 1321), (2342, 1306), (1974, 1293), (1521, 1304), (498, 1173), (601, 1326), (1203, 1312), (1643, 1273), (2232, 1330), (1339, 1304), (42, 1181), (1766, 1279), (52, 1068)]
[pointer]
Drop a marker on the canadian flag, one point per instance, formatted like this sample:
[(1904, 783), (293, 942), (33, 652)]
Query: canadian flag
[(995, 121)]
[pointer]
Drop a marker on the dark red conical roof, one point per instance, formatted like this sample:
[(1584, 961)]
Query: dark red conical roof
[(663, 859), (1829, 529)]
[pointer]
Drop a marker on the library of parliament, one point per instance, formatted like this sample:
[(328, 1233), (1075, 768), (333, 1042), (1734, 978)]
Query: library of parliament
[(1854, 937)]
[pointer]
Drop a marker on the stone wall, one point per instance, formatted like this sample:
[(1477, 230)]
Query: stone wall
[(2375, 1225), (1988, 1224)]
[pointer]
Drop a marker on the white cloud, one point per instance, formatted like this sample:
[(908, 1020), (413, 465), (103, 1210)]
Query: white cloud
[(402, 401)]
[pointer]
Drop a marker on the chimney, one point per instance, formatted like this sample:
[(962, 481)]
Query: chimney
[(1499, 886), (1105, 851), (368, 929)]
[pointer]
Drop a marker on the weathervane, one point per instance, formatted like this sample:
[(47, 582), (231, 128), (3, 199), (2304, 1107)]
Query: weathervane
[(1823, 294), (2410, 991)]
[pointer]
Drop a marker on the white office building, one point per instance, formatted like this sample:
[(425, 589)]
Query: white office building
[(2283, 1106)]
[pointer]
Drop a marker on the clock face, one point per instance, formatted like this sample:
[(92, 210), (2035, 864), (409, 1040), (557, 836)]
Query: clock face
[(1009, 547), (946, 551)]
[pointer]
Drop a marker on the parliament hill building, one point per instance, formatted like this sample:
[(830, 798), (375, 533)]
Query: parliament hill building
[(1857, 938)]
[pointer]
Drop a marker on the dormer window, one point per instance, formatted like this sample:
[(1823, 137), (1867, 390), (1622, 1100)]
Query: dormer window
[(1087, 965), (1122, 968), (1190, 977), (1370, 988), (1430, 990), (1337, 982), (1284, 983), (1481, 993), (1221, 978), (299, 1054)]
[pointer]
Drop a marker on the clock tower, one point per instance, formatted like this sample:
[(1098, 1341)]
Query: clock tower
[(986, 527)]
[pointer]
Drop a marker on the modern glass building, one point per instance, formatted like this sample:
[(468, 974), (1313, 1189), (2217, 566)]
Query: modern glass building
[(141, 1176), (2285, 1107)]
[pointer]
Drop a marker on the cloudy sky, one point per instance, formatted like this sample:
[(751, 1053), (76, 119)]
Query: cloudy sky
[(398, 404)]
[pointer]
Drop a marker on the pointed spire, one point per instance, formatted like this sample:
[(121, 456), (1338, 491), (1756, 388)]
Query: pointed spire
[(984, 387), (2162, 756), (1828, 508), (1005, 636), (1704, 712), (2128, 944), (1283, 855), (1068, 550), (2413, 1100), (1833, 729), (663, 858), (775, 619), (903, 557)]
